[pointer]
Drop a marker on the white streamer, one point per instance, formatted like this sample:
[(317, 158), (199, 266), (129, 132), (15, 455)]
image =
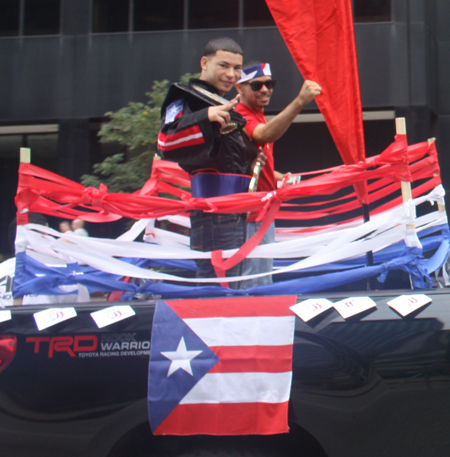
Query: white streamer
[(325, 246)]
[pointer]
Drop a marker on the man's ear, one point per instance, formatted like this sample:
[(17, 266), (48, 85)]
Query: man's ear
[(203, 62)]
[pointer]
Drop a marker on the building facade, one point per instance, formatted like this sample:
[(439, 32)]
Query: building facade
[(67, 62)]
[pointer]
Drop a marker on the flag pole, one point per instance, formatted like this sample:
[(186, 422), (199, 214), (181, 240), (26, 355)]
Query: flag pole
[(369, 254), (25, 155), (441, 206), (411, 238), (442, 213), (400, 127)]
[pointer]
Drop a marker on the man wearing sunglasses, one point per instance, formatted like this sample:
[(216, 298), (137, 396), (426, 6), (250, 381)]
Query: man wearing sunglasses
[(255, 87)]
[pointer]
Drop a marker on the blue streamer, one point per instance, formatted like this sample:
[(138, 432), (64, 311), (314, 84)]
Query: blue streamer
[(33, 277)]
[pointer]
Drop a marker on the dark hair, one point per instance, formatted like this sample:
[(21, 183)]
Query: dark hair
[(251, 63), (222, 44)]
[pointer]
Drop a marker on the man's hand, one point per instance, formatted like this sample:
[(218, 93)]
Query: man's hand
[(287, 179), (261, 158), (221, 113), (256, 167), (309, 91)]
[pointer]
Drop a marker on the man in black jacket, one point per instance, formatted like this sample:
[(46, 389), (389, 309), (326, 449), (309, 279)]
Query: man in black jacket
[(202, 132)]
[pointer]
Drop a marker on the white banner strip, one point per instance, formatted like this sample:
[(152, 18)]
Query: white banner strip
[(244, 331), (5, 316), (406, 304), (354, 305), (314, 250), (308, 309), (49, 317), (112, 314), (240, 388)]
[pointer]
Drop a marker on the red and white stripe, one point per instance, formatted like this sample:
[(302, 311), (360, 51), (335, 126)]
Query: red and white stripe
[(247, 392), (183, 138)]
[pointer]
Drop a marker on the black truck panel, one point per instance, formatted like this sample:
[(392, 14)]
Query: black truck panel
[(376, 384)]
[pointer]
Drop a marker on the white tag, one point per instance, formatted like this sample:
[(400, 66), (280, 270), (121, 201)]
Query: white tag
[(406, 304), (7, 270), (353, 305), (6, 299), (52, 316), (5, 316), (308, 309), (112, 314)]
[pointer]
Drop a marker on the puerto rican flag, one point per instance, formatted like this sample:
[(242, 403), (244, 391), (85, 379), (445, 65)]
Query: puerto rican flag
[(221, 366), (182, 138), (174, 110)]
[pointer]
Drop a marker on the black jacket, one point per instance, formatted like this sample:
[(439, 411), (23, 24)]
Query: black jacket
[(188, 137)]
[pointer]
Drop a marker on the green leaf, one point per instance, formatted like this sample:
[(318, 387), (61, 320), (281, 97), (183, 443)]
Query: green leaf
[(136, 127)]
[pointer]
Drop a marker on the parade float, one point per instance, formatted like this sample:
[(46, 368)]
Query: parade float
[(347, 224), (400, 183)]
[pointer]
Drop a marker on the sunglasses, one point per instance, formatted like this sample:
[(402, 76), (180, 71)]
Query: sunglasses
[(256, 85)]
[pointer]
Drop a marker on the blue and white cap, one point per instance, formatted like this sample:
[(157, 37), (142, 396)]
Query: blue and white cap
[(262, 69)]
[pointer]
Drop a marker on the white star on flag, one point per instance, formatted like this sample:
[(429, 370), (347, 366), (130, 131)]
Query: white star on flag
[(173, 109), (181, 358)]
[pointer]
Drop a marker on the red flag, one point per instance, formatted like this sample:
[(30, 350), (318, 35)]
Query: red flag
[(320, 37)]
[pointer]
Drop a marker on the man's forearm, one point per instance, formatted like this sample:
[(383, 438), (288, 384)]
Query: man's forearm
[(275, 128), (278, 175)]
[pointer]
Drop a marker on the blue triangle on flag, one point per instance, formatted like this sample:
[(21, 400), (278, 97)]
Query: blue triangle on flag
[(166, 391)]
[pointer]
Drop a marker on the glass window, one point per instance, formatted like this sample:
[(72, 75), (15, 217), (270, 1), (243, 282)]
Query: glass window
[(110, 16), (257, 14), (43, 145), (10, 146), (9, 17), (162, 15), (43, 154), (207, 14), (41, 17), (372, 10)]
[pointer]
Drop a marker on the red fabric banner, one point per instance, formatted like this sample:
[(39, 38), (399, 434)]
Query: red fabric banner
[(320, 37), (45, 192)]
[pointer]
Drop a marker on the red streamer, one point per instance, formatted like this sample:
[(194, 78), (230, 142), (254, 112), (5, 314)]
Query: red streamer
[(45, 192)]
